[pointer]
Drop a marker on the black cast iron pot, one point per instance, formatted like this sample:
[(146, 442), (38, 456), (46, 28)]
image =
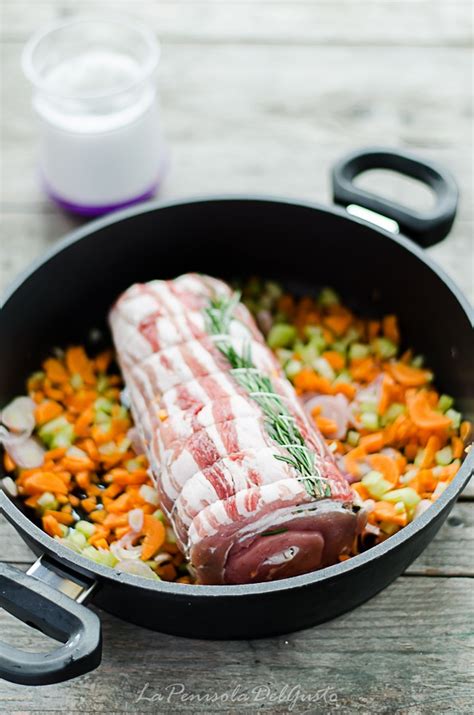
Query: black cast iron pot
[(304, 245)]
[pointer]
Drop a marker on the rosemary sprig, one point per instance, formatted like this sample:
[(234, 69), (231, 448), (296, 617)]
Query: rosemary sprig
[(279, 423)]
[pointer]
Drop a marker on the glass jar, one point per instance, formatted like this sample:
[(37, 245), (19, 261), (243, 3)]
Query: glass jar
[(94, 92)]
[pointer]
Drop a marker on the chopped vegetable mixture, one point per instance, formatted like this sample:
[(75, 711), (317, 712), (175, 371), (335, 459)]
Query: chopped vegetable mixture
[(395, 437)]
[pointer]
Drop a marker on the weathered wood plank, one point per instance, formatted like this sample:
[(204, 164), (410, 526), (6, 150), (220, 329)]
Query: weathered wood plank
[(277, 125), (403, 652), (450, 554), (349, 22)]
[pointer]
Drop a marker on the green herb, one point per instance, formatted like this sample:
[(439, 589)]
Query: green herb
[(280, 424), (273, 532)]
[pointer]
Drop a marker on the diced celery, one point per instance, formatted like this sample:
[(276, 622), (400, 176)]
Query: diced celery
[(100, 556), (158, 514), (64, 438), (132, 465), (384, 348), (124, 445), (353, 438), (328, 297), (370, 420), (344, 377), (170, 536), (48, 501), (395, 410), (85, 527), (389, 528), (375, 484), (340, 346), (420, 455), (76, 453), (108, 447), (368, 406), (64, 530), (314, 333), (406, 494), (292, 368), (76, 381), (445, 402), (102, 418), (57, 433), (418, 361), (77, 538), (358, 351), (103, 404), (323, 368), (281, 336), (102, 383), (444, 456), (455, 418), (309, 352)]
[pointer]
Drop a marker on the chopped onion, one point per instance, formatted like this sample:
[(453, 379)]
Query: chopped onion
[(19, 415), (123, 554), (9, 486), (162, 558), (136, 568), (135, 519), (135, 440), (76, 453), (26, 454), (421, 507), (372, 529), (334, 407), (149, 494)]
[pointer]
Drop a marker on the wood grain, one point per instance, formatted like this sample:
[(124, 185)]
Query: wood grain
[(405, 651)]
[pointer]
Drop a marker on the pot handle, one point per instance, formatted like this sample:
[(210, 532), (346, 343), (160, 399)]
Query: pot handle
[(41, 605), (425, 228)]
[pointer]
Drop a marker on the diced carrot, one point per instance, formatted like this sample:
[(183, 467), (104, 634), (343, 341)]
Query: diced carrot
[(352, 459), (422, 414), (373, 329), (103, 360), (53, 454), (8, 463), (372, 442), (385, 395), (390, 328), (426, 480), (78, 363), (364, 370), (431, 448), (112, 491), (61, 516), (46, 411), (407, 375), (335, 359), (308, 381), (45, 482), (83, 480), (411, 450), (89, 446), (155, 534), (457, 445), (344, 388), (338, 323), (73, 500), (77, 464), (386, 511), (83, 422), (465, 431), (115, 520), (55, 371), (89, 504), (51, 525), (326, 426), (362, 490), (120, 504), (386, 466), (98, 515), (32, 501)]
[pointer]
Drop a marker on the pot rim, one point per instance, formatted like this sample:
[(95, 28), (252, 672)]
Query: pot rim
[(77, 562)]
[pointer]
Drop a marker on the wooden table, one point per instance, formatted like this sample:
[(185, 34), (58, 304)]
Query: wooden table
[(264, 96)]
